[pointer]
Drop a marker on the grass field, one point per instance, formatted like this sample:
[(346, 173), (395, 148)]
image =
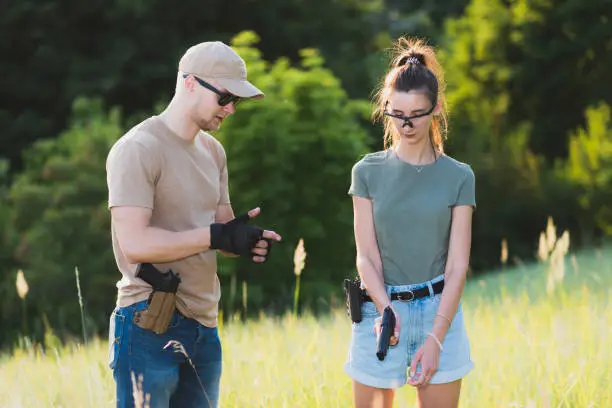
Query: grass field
[(531, 349)]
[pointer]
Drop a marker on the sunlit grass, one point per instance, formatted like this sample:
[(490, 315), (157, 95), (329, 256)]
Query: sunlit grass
[(531, 349)]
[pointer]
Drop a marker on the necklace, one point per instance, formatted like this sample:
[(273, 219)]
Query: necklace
[(417, 167)]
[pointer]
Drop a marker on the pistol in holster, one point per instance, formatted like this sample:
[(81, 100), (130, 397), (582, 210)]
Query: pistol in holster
[(354, 298), (162, 301)]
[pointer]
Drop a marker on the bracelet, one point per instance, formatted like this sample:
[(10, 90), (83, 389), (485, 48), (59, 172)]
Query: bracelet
[(433, 336), (447, 319)]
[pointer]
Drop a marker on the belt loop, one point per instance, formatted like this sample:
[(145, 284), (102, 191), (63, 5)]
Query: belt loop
[(430, 287)]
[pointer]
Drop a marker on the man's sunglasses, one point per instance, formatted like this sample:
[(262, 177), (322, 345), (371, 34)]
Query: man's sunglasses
[(225, 98)]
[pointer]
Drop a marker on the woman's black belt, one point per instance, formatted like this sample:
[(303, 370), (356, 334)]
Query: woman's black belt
[(409, 295)]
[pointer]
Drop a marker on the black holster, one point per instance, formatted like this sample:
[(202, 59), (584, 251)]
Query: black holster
[(354, 298)]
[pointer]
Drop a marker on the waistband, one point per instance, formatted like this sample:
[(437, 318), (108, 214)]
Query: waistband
[(411, 287), (410, 292)]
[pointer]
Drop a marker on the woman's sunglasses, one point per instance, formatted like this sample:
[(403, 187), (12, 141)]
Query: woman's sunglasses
[(407, 119), (225, 98)]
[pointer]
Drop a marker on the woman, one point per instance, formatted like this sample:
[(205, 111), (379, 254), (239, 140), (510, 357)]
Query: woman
[(413, 209)]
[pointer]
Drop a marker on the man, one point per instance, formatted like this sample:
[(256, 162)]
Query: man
[(169, 201)]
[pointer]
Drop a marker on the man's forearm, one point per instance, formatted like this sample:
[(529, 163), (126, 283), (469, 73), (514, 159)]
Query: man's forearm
[(156, 245)]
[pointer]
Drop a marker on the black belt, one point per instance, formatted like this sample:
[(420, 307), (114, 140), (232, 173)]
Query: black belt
[(409, 295)]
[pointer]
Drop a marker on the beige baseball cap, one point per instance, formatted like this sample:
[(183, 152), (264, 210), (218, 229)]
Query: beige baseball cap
[(216, 60)]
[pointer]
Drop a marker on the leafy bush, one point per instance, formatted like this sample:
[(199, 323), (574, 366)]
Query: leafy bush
[(60, 216), (291, 154)]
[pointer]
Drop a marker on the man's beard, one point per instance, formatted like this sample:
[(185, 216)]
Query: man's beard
[(208, 125)]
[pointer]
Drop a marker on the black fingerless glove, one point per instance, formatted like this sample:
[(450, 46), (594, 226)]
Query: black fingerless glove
[(235, 236)]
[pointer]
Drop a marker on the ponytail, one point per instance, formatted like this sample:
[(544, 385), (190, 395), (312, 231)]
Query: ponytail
[(414, 66)]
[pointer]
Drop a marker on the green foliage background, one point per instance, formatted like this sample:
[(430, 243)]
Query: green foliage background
[(528, 95)]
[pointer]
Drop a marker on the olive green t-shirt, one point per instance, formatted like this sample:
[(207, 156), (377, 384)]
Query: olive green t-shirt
[(412, 211)]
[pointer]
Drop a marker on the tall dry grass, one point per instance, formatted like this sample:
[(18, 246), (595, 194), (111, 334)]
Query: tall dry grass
[(533, 346)]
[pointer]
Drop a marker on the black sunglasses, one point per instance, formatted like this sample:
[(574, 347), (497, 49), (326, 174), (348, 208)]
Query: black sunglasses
[(407, 119), (225, 98)]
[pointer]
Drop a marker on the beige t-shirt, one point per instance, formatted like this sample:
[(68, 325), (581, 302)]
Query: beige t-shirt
[(183, 183)]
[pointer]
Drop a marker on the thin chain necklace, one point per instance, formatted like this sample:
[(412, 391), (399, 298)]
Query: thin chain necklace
[(420, 167)]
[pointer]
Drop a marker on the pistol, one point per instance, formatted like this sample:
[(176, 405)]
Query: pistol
[(161, 282), (388, 327), (162, 301)]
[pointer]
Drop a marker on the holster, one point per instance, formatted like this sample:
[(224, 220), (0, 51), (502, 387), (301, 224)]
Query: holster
[(159, 312), (162, 301), (354, 298)]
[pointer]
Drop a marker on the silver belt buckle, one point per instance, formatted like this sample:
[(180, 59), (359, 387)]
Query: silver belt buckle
[(402, 296)]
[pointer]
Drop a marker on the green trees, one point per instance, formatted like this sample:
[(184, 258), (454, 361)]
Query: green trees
[(479, 72), (60, 221), (589, 169), (520, 75), (526, 82), (561, 65), (126, 52), (292, 154)]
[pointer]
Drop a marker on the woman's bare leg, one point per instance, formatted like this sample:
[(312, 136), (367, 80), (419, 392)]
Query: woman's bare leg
[(370, 397), (439, 395)]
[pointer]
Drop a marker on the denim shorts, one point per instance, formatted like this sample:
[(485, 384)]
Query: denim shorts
[(416, 318)]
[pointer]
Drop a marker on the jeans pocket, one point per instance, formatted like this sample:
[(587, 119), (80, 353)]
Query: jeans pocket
[(115, 337), (176, 320)]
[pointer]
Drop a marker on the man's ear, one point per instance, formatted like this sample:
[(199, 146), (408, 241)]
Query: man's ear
[(189, 83)]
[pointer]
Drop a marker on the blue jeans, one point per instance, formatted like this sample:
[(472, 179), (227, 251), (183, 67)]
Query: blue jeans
[(166, 375)]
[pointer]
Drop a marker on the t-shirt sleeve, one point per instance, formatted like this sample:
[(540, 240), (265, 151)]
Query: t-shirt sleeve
[(467, 189), (130, 175), (223, 177), (359, 185)]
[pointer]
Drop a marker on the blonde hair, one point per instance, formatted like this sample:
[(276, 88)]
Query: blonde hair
[(413, 66)]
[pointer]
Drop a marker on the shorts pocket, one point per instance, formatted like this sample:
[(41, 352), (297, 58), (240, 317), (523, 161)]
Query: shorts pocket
[(432, 306), (368, 309), (115, 337)]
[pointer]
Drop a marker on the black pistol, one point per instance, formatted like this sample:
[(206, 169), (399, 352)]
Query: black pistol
[(162, 301), (388, 327), (161, 282)]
